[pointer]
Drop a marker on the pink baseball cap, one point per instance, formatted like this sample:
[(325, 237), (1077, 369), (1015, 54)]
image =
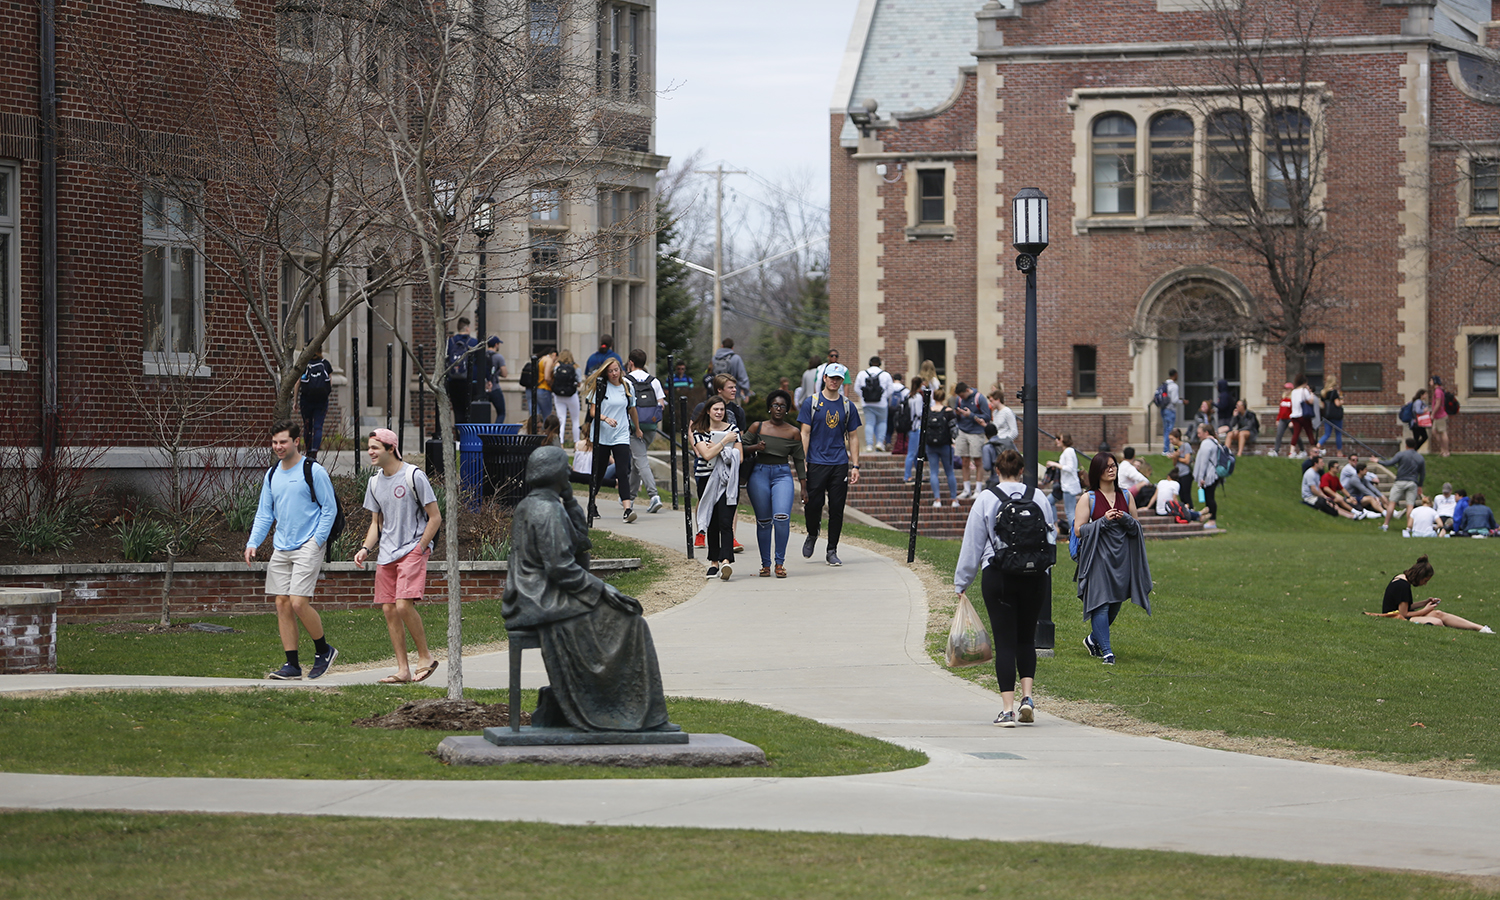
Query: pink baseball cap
[(387, 437)]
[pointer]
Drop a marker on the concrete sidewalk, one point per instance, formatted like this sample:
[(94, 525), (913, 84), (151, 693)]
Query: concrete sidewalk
[(846, 646)]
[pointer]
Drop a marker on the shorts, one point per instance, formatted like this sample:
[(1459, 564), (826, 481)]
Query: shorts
[(969, 445), (404, 579), (294, 573), (1405, 492), (1440, 426)]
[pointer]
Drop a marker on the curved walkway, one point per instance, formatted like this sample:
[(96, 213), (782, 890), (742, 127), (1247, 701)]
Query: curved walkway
[(846, 646)]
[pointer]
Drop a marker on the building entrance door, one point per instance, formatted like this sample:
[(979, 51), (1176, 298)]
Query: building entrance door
[(1202, 362)]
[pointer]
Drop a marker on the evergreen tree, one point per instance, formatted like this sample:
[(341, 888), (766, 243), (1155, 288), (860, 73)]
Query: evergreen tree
[(784, 351), (678, 326)]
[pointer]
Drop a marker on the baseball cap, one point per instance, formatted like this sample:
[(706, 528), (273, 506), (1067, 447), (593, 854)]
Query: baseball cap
[(836, 370), (494, 339), (1288, 386), (387, 437), (1447, 487)]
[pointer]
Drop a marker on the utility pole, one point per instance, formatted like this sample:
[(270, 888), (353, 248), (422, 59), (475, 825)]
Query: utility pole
[(718, 174)]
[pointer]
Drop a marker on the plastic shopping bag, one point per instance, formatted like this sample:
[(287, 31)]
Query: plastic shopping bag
[(968, 643)]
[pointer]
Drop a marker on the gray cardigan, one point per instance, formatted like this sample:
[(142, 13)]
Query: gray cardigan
[(1112, 565)]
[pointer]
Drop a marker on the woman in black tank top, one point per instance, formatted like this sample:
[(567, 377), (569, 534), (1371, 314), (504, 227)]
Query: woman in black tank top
[(1398, 603)]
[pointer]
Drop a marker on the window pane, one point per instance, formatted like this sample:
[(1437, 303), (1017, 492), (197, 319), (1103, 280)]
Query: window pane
[(930, 186), (546, 205), (1359, 377), (1229, 163), (1486, 181), (6, 245), (546, 45), (1172, 163), (1085, 382), (153, 296), (184, 319), (1287, 137), (1484, 366), (1114, 165)]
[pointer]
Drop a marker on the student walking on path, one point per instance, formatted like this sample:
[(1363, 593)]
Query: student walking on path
[(650, 401), (772, 485), (716, 442), (873, 387), (830, 441), (404, 518), (617, 424), (1112, 564), (1012, 598), (297, 497)]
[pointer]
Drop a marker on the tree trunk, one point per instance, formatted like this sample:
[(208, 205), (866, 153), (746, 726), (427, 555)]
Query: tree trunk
[(451, 492), (1295, 360), (166, 586)]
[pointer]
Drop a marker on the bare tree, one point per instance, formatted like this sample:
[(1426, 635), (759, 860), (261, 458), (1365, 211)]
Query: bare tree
[(1261, 199)]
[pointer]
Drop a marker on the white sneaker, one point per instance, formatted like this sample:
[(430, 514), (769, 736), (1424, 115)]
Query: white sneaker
[(937, 504), (1384, 527), (955, 504), (655, 505), (1485, 629), (879, 447), (964, 494), (1398, 513), (869, 449)]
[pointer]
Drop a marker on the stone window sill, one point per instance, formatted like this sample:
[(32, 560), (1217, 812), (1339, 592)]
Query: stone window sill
[(224, 9), (931, 233)]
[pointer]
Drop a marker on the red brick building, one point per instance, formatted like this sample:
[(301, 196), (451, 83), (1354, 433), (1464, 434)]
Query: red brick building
[(1121, 114)]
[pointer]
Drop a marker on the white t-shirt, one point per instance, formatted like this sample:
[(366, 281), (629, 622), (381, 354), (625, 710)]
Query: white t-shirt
[(1424, 522), (886, 385), (1443, 505), (1130, 477), (402, 519), (1166, 491), (1300, 396), (1069, 464)]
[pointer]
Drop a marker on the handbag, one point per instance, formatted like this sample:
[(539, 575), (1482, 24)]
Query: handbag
[(968, 642), (1424, 420)]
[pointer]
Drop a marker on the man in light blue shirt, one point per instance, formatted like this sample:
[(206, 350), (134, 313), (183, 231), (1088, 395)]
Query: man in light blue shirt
[(297, 496)]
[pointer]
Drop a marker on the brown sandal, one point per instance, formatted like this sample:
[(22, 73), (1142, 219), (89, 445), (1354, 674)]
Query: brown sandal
[(781, 571), (765, 571)]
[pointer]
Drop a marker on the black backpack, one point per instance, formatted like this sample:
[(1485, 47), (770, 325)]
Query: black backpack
[(528, 375), (872, 392), (937, 431), (902, 424), (1022, 526), (458, 357), (338, 508), (317, 384), (647, 410), (564, 380)]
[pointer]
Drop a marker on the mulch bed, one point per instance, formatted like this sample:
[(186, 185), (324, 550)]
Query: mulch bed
[(144, 628), (443, 714)]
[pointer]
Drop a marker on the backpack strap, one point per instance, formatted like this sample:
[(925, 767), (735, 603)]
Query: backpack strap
[(307, 465)]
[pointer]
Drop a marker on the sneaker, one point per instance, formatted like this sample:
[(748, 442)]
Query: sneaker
[(1026, 712), (879, 447), (963, 495), (287, 672), (630, 515), (955, 504), (738, 547), (937, 504), (1109, 659), (1384, 527), (655, 505), (321, 662), (832, 558), (869, 449), (713, 572), (700, 541), (1006, 719), (1090, 646), (1398, 513), (1406, 532), (724, 572), (807, 547), (1485, 629)]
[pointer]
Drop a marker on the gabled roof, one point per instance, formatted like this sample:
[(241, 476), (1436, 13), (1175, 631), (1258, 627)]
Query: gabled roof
[(905, 54)]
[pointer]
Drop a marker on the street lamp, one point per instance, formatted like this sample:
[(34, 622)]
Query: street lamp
[(1030, 229), (484, 226)]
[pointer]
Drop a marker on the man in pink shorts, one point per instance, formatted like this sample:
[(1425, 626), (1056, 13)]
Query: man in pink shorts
[(404, 519)]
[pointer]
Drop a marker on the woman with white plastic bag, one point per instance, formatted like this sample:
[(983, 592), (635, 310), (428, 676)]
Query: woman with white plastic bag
[(1010, 577)]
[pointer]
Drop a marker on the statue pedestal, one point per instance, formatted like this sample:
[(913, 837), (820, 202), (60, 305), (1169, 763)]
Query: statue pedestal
[(692, 750), (572, 737)]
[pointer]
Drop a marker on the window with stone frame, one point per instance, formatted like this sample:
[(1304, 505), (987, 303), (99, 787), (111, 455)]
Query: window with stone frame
[(1484, 365), (172, 280), (1171, 184), (1085, 370), (617, 52), (1288, 174), (1484, 185), (1228, 188), (545, 299), (545, 30), (10, 261), (932, 197), (1113, 168)]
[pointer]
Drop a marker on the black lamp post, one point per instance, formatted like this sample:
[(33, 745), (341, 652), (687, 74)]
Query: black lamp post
[(1030, 229), (484, 226)]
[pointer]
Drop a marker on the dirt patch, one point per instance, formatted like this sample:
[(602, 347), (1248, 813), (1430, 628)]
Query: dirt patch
[(941, 603), (156, 628), (445, 715)]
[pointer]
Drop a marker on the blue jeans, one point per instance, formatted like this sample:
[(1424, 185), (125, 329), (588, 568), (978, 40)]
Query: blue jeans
[(772, 490), (875, 416), (1099, 622), (1335, 428), (944, 455), (913, 441), (312, 427), (1069, 506), (1168, 422)]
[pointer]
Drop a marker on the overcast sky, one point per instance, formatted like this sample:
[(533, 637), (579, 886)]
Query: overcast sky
[(749, 84)]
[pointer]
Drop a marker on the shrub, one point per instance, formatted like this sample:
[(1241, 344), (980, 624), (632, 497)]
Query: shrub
[(143, 538), (494, 551), (239, 504), (47, 529)]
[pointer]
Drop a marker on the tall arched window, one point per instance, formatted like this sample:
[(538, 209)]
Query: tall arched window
[(1288, 140), (1228, 188), (1172, 163), (1114, 165)]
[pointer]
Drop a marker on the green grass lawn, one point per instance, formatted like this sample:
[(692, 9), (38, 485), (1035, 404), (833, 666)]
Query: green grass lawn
[(64, 855), (1261, 632), (360, 635), (307, 734)]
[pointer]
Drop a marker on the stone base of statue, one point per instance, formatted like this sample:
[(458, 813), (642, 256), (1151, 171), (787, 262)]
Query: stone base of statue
[(528, 736), (691, 750)]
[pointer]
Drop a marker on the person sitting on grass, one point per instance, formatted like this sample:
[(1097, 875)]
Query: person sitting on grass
[(1424, 521), (1398, 603), (1356, 482), (1316, 496), (1479, 520)]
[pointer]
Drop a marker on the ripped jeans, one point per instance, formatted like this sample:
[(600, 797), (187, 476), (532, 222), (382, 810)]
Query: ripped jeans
[(772, 491)]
